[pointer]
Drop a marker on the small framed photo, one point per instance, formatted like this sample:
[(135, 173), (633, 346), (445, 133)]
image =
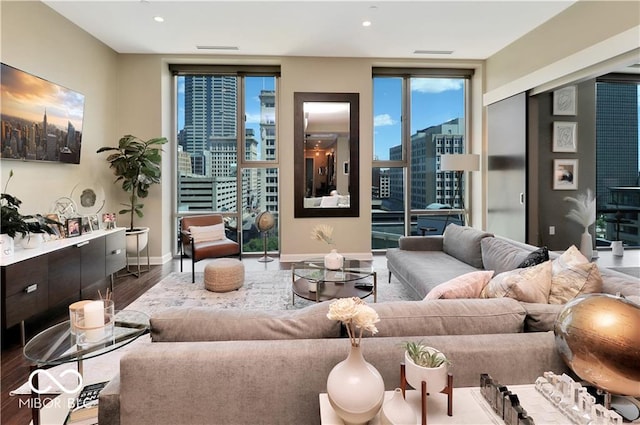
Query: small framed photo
[(74, 227), (565, 136), (109, 220), (564, 101), (86, 224), (565, 174), (94, 221), (58, 229)]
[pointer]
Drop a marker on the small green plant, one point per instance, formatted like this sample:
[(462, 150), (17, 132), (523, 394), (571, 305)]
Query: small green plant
[(424, 356)]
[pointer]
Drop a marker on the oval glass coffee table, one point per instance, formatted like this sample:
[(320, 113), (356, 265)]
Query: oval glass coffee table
[(57, 345), (311, 281)]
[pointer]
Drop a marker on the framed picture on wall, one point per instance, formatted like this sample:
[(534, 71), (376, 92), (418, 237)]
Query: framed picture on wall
[(565, 137), (565, 174), (564, 101)]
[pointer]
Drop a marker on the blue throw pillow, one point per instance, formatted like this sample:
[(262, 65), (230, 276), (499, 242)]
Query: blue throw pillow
[(538, 256)]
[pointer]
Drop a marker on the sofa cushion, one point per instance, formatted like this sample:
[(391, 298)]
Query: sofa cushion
[(529, 285), (206, 324), (573, 275), (463, 243), (540, 317), (500, 256), (449, 317), (468, 285), (536, 257)]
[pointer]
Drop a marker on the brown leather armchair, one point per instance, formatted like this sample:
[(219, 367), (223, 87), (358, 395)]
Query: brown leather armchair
[(205, 249)]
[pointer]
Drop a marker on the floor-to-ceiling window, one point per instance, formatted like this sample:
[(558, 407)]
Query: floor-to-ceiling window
[(226, 150), (618, 159), (419, 114)]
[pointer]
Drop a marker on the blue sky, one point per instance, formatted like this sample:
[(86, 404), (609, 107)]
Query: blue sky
[(433, 102)]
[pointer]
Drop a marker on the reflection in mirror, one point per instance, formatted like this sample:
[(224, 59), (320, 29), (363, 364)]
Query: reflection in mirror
[(326, 154)]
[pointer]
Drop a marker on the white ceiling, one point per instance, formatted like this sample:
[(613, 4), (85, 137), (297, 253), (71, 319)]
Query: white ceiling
[(472, 29)]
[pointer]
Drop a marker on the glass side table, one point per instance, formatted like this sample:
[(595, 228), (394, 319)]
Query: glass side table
[(311, 281), (57, 345)]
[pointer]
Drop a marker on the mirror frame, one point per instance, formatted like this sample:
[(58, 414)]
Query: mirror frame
[(299, 98)]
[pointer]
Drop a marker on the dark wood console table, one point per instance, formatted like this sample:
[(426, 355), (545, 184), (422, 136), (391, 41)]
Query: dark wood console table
[(59, 272)]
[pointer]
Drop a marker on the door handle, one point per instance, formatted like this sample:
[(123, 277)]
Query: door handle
[(521, 198)]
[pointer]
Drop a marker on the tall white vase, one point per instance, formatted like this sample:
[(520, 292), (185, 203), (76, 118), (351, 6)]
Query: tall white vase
[(586, 244), (355, 389)]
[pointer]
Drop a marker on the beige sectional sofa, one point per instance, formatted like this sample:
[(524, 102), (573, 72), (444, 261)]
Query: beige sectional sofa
[(227, 367)]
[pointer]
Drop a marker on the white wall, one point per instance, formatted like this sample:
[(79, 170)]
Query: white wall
[(603, 35), (37, 40)]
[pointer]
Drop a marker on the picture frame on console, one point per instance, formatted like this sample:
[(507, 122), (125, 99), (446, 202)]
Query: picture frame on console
[(94, 221), (59, 230), (86, 224), (74, 227), (565, 174)]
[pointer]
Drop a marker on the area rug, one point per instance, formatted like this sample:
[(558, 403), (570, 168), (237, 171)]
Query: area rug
[(262, 290)]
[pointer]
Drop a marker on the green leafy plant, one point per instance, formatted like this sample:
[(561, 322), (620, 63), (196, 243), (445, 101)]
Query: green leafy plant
[(13, 223), (136, 163), (424, 356)]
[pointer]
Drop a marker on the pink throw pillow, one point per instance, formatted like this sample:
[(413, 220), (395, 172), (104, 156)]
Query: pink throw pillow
[(468, 285)]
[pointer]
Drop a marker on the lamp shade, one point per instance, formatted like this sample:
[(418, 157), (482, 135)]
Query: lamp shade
[(460, 162)]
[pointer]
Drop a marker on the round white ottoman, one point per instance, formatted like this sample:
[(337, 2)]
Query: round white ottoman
[(223, 275)]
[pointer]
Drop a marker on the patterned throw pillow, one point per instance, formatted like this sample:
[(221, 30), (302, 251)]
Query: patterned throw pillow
[(538, 256), (468, 285), (573, 275), (531, 284)]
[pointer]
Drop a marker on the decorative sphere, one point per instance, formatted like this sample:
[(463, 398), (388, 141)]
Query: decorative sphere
[(598, 337), (265, 221)]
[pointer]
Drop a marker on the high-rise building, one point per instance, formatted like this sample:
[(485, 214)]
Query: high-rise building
[(210, 111), (617, 166)]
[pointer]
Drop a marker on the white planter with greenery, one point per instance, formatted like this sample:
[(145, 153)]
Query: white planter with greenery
[(423, 363)]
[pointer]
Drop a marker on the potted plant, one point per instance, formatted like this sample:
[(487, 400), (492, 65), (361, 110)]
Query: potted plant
[(13, 223), (423, 363), (136, 163)]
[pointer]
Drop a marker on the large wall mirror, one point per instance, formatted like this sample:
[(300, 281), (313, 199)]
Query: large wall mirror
[(326, 157)]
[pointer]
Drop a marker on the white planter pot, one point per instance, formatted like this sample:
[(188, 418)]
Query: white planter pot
[(32, 240), (7, 246), (137, 240), (436, 378)]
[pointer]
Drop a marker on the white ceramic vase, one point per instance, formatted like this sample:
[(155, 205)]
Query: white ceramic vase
[(397, 411), (435, 377), (333, 260), (7, 246), (586, 244), (355, 389), (617, 248)]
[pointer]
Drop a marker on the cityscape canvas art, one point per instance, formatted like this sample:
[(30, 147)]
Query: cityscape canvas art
[(40, 121)]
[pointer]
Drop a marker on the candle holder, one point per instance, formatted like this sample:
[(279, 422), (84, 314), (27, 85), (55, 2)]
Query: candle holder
[(94, 322)]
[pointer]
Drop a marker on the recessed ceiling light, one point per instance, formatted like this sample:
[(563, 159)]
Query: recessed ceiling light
[(432, 52), (217, 47), (366, 23), (158, 18)]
